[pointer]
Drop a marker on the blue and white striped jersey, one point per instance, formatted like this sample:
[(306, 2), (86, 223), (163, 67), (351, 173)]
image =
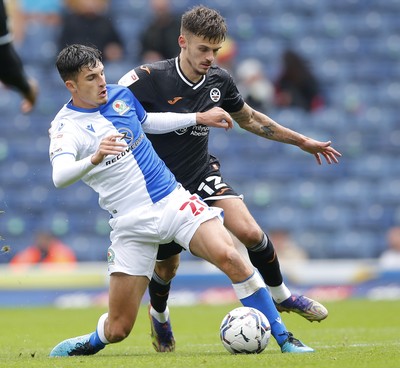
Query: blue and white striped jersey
[(133, 178)]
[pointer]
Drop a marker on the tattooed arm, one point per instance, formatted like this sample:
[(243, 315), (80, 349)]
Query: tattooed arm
[(262, 125)]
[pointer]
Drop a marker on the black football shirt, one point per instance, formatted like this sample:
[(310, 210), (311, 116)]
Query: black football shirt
[(162, 87)]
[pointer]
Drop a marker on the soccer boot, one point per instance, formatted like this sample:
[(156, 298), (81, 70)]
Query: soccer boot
[(306, 307), (161, 335), (293, 345), (75, 346)]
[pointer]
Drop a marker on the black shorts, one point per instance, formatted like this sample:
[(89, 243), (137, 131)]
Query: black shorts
[(211, 188)]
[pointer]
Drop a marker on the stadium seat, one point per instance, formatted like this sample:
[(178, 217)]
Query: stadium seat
[(334, 211)]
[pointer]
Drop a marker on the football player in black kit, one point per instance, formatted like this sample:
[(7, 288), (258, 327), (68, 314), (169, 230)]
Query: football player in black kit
[(190, 83), (11, 69)]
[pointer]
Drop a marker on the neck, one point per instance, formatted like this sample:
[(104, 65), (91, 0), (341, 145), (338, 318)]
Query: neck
[(188, 70)]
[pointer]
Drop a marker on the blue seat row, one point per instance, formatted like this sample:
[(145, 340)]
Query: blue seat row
[(332, 210)]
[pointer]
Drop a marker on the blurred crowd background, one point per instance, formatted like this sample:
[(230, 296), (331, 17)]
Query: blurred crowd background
[(349, 50)]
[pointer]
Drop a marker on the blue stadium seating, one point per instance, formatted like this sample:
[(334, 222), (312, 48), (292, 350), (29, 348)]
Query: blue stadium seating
[(336, 211)]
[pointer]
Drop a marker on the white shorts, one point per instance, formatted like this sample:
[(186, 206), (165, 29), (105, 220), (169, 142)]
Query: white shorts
[(135, 236)]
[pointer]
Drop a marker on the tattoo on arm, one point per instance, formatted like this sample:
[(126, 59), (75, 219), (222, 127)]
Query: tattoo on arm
[(263, 126), (268, 131), (256, 122)]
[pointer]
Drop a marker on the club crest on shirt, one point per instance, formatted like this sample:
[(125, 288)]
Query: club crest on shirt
[(215, 94), (110, 257), (120, 107)]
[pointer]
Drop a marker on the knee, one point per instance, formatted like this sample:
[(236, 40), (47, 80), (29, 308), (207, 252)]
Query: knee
[(250, 236), (117, 332), (234, 266), (167, 269)]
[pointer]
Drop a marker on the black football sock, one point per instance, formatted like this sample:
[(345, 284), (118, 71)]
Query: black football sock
[(264, 258), (159, 292)]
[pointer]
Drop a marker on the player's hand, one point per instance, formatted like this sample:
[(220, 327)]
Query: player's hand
[(111, 145), (30, 98), (319, 149), (215, 117)]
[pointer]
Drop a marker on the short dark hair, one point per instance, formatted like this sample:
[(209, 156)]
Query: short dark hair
[(73, 58), (204, 22)]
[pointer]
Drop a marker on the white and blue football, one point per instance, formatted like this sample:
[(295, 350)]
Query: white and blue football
[(245, 330)]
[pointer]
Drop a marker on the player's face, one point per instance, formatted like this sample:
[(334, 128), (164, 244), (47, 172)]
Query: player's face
[(89, 89), (197, 55)]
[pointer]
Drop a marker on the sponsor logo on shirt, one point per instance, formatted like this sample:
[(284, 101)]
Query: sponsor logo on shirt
[(197, 130), (129, 149), (181, 131), (128, 135)]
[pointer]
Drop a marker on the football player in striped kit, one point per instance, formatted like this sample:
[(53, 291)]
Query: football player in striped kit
[(99, 137)]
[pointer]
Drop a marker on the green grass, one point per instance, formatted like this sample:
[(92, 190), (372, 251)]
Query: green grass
[(357, 333)]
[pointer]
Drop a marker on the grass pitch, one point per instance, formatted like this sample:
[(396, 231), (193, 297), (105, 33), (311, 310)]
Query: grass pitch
[(357, 333)]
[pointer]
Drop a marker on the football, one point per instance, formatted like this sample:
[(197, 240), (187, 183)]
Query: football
[(245, 330)]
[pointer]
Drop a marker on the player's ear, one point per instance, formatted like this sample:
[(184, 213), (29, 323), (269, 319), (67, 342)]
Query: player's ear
[(71, 86), (182, 41)]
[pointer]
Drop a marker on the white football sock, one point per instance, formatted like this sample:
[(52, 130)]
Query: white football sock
[(160, 317), (280, 293)]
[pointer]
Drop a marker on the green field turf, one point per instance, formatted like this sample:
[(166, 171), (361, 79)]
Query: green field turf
[(357, 333)]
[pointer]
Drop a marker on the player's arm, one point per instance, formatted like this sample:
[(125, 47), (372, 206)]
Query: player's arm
[(262, 125), (12, 71), (215, 117), (165, 122), (67, 170)]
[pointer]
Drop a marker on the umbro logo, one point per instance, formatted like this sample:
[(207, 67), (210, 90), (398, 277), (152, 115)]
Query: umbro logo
[(174, 100)]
